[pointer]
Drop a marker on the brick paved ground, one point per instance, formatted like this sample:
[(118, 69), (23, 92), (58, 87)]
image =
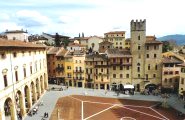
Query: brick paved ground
[(50, 99)]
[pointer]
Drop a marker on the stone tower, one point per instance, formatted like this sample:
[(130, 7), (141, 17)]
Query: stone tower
[(138, 39)]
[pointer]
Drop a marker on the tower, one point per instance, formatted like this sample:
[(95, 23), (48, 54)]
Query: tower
[(138, 39)]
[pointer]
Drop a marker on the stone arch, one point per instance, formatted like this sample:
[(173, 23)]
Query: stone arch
[(9, 109), (33, 92), (151, 86), (38, 88), (19, 101), (28, 103), (41, 84)]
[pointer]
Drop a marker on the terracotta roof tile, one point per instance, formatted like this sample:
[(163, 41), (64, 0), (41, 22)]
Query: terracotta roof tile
[(171, 60), (53, 50), (118, 53), (18, 43)]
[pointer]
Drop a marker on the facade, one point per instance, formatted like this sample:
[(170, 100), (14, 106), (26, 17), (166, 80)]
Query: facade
[(146, 55), (17, 35), (127, 43), (103, 46), (93, 42), (117, 38), (75, 46), (120, 62), (23, 82), (97, 71), (59, 66), (181, 82), (171, 73), (69, 68), (51, 63), (79, 69)]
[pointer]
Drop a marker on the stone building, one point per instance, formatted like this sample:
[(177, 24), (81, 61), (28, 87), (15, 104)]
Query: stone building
[(51, 63), (23, 77), (146, 55), (93, 43), (103, 46), (17, 35), (120, 67), (171, 73), (97, 71), (117, 38), (181, 91)]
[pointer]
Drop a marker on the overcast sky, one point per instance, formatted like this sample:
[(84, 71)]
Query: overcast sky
[(93, 17)]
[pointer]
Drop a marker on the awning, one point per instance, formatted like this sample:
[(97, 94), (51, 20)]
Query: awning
[(128, 86)]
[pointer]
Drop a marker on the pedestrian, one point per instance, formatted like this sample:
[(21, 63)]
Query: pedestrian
[(45, 114)]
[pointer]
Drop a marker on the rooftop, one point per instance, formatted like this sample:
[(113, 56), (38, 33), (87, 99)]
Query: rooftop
[(171, 60), (118, 53), (16, 31), (53, 50), (18, 44), (115, 32)]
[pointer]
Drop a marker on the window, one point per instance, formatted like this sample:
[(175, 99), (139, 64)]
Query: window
[(102, 70), (147, 55), (86, 70), (114, 75), (127, 75), (114, 67), (5, 80), (154, 75), (147, 47), (155, 67), (24, 70), (139, 47), (116, 43), (96, 71), (76, 61), (127, 67), (155, 47), (155, 55), (138, 75), (182, 80), (79, 61), (176, 72), (146, 76), (138, 69), (23, 53), (170, 80), (121, 67), (101, 62), (127, 60), (30, 69), (121, 75), (3, 55), (148, 66), (16, 76), (114, 60), (120, 43), (68, 67), (139, 37), (165, 80), (14, 54)]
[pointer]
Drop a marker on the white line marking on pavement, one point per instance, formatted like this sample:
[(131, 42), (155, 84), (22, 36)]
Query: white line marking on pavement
[(143, 113), (154, 105), (82, 112), (130, 118), (159, 114), (99, 112), (75, 98), (136, 106)]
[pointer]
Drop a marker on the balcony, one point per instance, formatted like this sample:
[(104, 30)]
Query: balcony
[(121, 63), (78, 78), (98, 66), (78, 71), (59, 69)]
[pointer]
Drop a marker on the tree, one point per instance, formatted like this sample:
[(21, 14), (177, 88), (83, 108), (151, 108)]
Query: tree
[(166, 46), (57, 40)]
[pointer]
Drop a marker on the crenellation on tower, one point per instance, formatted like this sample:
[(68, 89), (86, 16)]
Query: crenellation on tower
[(138, 25)]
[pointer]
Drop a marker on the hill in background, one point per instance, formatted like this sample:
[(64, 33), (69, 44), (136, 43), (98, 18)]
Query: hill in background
[(178, 38)]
